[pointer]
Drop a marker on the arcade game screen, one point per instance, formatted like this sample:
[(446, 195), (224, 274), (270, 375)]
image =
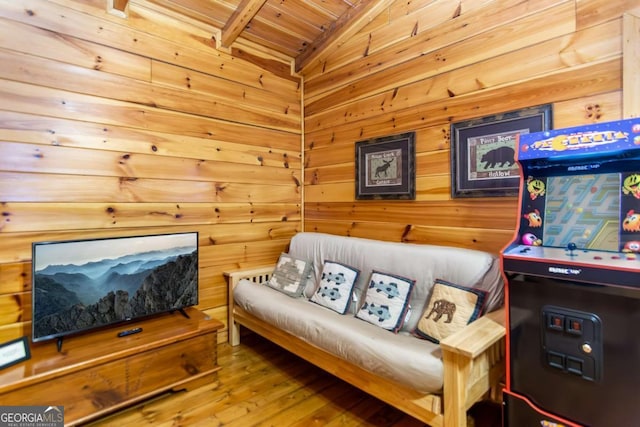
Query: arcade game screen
[(583, 209)]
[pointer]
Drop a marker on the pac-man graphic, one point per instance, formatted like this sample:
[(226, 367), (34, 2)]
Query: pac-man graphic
[(535, 187), (631, 185), (557, 143)]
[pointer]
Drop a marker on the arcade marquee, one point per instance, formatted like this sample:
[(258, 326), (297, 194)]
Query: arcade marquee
[(573, 279)]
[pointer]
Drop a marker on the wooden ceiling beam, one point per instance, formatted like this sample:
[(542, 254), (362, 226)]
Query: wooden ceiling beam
[(118, 7), (348, 24), (240, 18)]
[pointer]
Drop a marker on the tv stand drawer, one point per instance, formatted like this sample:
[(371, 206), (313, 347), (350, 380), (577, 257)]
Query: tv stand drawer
[(97, 386)]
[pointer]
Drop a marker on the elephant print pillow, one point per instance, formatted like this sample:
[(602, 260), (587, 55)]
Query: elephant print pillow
[(449, 309)]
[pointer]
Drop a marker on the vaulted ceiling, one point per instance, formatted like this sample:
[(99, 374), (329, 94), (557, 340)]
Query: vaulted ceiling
[(297, 29)]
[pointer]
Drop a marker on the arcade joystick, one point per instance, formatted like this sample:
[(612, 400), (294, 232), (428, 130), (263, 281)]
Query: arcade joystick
[(571, 247)]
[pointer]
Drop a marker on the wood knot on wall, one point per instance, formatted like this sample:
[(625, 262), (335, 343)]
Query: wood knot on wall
[(405, 233), (6, 218), (111, 211), (593, 112)]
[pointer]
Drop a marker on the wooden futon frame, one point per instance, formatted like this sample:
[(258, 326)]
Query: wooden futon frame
[(473, 362)]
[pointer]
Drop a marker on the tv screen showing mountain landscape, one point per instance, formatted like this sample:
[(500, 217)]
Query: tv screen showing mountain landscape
[(85, 284)]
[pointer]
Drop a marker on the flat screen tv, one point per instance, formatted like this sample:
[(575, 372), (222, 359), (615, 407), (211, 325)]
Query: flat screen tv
[(80, 285)]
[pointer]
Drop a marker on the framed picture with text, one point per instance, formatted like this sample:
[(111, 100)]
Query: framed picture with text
[(483, 151), (385, 167)]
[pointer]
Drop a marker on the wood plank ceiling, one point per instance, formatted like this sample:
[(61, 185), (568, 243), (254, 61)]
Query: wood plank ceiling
[(297, 29)]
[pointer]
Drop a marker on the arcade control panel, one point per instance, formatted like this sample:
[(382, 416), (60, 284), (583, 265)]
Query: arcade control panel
[(571, 263), (599, 258)]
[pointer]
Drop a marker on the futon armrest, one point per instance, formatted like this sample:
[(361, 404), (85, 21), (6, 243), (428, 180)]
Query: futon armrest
[(256, 275), (478, 336), (249, 273), (473, 361)]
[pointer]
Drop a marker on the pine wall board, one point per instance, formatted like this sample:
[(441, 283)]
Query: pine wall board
[(113, 127), (116, 127), (473, 59), (260, 147)]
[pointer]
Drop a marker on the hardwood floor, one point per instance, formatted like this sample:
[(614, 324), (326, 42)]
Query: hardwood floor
[(262, 385)]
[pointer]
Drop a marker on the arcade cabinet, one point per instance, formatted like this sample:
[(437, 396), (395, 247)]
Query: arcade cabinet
[(573, 280)]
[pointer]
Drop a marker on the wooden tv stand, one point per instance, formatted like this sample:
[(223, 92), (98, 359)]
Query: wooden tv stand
[(98, 372)]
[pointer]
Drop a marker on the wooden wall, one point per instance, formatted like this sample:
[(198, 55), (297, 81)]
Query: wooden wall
[(423, 65), (113, 127)]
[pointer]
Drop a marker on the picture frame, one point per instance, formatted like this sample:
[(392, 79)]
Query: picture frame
[(385, 167), (483, 151), (14, 351)]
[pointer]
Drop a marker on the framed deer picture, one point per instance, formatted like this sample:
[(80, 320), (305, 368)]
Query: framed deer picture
[(385, 167)]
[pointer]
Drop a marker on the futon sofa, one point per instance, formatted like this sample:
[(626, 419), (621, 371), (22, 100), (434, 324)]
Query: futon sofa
[(434, 380)]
